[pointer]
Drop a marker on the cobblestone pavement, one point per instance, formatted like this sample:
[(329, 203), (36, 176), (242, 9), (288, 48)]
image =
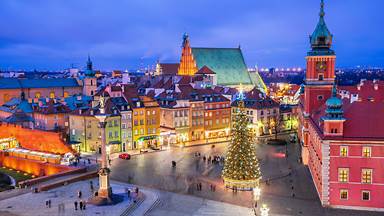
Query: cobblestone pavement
[(32, 204), (155, 171)]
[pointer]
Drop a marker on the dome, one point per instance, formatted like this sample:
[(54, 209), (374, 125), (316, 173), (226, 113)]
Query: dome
[(334, 102)]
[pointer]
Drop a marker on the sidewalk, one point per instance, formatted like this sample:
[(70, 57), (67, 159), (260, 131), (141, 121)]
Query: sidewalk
[(33, 204)]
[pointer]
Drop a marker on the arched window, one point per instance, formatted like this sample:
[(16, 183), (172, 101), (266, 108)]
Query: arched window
[(66, 94), (37, 95), (52, 95)]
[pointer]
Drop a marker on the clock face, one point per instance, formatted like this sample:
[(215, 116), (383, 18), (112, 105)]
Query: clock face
[(321, 66)]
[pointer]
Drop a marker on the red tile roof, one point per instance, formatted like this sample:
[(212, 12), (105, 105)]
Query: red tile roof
[(169, 68), (205, 70)]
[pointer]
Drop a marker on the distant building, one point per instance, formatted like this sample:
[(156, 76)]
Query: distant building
[(50, 87), (228, 64), (166, 69)]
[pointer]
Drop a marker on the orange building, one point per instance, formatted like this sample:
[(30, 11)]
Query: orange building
[(188, 64)]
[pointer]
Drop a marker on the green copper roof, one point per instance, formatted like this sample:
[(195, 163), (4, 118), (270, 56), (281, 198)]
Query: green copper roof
[(258, 81), (321, 38), (89, 71), (227, 63)]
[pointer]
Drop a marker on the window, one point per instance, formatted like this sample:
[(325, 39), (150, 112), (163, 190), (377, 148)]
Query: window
[(52, 95), (141, 131), (365, 195), (343, 174), (110, 134), (153, 112), (135, 123), (366, 176), (136, 132), (73, 132), (141, 122), (261, 112), (366, 151), (343, 151), (115, 123), (321, 77), (66, 94), (116, 134), (124, 135), (320, 97), (37, 95), (343, 194), (135, 113)]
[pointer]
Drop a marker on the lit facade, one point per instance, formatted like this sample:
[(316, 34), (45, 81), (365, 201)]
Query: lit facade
[(342, 139)]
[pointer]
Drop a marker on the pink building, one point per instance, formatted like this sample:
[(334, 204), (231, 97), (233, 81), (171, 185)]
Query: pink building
[(342, 137)]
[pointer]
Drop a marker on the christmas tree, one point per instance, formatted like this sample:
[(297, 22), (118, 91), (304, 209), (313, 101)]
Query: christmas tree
[(241, 168)]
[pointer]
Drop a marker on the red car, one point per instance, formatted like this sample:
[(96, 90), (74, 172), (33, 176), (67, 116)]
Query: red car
[(125, 156)]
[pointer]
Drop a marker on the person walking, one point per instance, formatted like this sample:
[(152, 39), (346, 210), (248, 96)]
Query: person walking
[(49, 203), (81, 205), (75, 203), (91, 185), (84, 205), (46, 203), (79, 194)]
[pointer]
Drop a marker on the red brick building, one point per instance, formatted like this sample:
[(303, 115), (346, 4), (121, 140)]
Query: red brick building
[(342, 139)]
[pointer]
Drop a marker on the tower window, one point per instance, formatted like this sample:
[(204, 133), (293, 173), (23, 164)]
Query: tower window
[(321, 77), (366, 151), (343, 151), (320, 97)]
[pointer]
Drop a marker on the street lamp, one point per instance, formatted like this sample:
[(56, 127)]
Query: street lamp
[(264, 210), (256, 197)]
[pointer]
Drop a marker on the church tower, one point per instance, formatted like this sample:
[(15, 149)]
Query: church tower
[(89, 81), (188, 65), (320, 74)]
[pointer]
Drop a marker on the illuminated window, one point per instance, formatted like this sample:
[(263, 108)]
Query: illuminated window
[(343, 151), (343, 174), (37, 95), (6, 97), (366, 176), (343, 194), (52, 95), (321, 77), (66, 94), (366, 195), (366, 151)]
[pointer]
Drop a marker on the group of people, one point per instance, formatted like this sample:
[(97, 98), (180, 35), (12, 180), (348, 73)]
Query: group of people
[(81, 203), (214, 159)]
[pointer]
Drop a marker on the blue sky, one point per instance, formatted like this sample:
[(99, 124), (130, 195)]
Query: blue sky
[(120, 34)]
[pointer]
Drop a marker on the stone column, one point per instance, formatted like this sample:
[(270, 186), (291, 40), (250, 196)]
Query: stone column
[(105, 190)]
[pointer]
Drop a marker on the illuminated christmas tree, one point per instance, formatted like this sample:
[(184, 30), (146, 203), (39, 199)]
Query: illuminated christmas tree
[(241, 168)]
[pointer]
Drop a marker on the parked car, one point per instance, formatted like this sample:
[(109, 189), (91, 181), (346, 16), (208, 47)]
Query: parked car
[(125, 156)]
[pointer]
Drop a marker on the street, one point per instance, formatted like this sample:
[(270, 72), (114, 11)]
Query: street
[(289, 191)]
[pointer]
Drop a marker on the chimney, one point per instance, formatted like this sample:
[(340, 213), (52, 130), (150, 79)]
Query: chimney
[(80, 111)]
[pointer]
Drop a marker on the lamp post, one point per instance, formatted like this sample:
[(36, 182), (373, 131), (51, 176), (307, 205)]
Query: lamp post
[(264, 210), (256, 198)]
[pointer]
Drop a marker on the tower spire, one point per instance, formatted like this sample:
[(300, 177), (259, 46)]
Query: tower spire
[(322, 13)]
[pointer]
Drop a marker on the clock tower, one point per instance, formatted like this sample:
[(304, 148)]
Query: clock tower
[(319, 78), (320, 74)]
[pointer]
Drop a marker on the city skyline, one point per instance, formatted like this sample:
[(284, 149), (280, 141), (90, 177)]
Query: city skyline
[(131, 35)]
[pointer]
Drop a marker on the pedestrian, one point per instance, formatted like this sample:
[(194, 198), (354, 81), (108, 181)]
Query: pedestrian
[(46, 203), (200, 186), (81, 204), (49, 203), (129, 193), (137, 190), (75, 203), (109, 160), (204, 158), (89, 161), (84, 205), (91, 185), (214, 188), (79, 194)]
